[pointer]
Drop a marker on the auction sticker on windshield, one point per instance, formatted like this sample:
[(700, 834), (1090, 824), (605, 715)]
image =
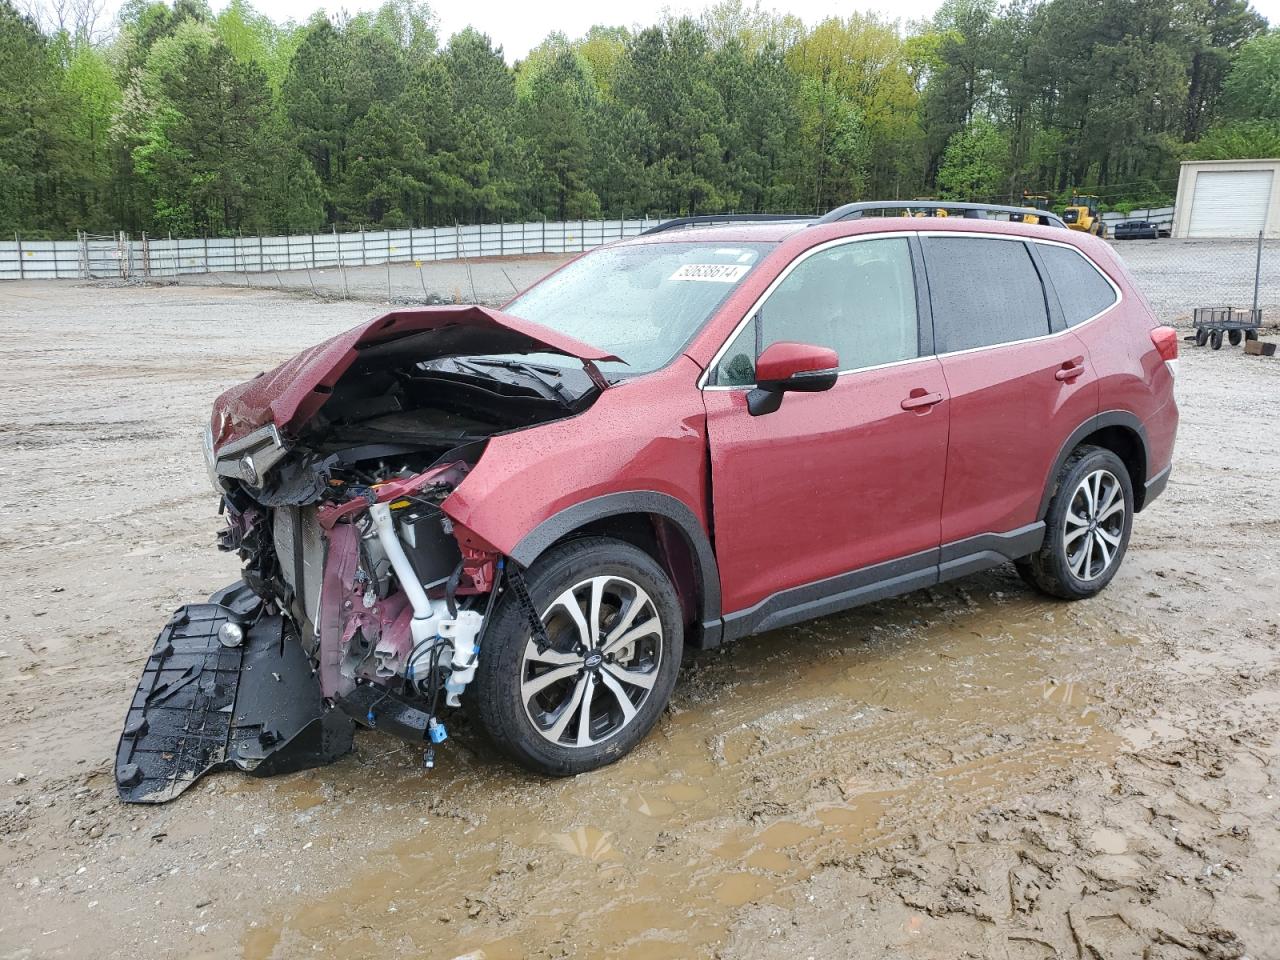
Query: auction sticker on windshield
[(711, 272)]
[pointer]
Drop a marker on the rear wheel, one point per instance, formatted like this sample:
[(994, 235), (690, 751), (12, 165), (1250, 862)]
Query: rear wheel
[(616, 635), (1251, 334), (1086, 529), (1235, 336)]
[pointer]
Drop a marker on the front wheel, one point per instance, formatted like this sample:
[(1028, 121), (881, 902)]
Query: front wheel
[(1086, 529), (593, 692)]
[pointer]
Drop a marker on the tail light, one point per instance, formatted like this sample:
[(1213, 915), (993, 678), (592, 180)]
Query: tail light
[(1166, 343)]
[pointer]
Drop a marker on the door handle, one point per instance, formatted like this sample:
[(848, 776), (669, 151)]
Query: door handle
[(919, 399), (1070, 369)]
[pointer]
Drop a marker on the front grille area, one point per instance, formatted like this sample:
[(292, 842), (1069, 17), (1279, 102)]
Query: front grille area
[(300, 552)]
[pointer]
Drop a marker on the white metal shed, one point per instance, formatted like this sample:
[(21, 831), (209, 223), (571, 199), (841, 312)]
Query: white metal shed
[(1228, 198)]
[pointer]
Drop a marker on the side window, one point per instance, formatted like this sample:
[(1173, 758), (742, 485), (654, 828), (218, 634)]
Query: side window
[(857, 298), (1082, 290), (983, 292)]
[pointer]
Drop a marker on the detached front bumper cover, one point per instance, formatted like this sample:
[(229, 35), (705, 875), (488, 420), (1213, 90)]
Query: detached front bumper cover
[(201, 706)]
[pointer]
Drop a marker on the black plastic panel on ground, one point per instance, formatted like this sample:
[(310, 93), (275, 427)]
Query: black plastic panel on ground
[(179, 724)]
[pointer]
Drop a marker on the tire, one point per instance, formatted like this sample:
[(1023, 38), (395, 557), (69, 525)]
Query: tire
[(1082, 550), (1235, 336), (539, 723), (1215, 340), (1251, 334), (1202, 337)]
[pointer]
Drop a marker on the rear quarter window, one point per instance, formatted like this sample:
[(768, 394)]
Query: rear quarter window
[(1082, 290), (984, 292)]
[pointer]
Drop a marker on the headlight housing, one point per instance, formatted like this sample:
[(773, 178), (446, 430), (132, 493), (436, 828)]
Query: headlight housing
[(247, 459), (210, 464)]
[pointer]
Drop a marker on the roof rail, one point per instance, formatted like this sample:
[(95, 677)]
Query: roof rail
[(718, 218), (973, 211)]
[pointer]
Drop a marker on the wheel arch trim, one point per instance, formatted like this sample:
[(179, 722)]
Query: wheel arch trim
[(650, 502), (1110, 418)]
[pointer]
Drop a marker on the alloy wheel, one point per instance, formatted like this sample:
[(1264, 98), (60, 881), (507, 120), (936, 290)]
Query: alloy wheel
[(605, 649), (1094, 528)]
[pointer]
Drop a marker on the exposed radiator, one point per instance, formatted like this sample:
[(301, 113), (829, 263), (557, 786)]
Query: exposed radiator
[(300, 551)]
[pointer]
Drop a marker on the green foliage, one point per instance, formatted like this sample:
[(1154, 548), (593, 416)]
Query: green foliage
[(557, 109), (974, 162), (1238, 139), (1252, 89), (26, 72), (195, 122)]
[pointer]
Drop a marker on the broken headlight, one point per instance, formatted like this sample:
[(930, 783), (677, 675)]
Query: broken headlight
[(210, 464), (247, 459)]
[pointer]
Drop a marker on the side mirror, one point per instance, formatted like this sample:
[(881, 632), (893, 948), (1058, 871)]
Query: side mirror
[(785, 366)]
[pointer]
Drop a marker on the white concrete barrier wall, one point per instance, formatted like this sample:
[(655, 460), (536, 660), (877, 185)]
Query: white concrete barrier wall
[(159, 258)]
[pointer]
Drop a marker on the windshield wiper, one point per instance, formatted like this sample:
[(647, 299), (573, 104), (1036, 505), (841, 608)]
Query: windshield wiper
[(515, 364), (540, 373)]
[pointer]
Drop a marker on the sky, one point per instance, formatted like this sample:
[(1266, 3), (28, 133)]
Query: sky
[(518, 25)]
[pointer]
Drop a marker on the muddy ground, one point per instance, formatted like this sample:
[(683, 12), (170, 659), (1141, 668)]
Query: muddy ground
[(968, 771)]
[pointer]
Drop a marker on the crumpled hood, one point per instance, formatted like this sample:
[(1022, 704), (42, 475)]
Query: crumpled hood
[(293, 392)]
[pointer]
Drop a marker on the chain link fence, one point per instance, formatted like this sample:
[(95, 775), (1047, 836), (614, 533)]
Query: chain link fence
[(1180, 275)]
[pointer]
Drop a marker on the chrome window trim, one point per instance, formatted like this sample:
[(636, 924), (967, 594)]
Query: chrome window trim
[(755, 307)]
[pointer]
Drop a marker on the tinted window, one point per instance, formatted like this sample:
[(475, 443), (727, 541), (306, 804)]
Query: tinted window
[(857, 298), (1082, 290), (983, 292)]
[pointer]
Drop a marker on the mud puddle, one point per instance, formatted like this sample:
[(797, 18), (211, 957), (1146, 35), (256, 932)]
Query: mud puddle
[(782, 754)]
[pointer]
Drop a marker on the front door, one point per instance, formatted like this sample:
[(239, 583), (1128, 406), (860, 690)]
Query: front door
[(833, 482)]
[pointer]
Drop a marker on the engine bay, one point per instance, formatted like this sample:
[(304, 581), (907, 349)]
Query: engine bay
[(345, 535)]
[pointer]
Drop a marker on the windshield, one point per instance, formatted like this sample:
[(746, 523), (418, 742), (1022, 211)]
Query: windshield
[(641, 302)]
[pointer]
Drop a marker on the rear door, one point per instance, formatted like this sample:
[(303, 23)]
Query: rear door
[(837, 481), (1019, 381)]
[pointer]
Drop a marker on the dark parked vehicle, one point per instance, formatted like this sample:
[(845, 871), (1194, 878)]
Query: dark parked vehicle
[(680, 439), (1136, 230)]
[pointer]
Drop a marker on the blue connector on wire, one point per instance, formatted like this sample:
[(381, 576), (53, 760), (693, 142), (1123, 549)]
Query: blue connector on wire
[(436, 732)]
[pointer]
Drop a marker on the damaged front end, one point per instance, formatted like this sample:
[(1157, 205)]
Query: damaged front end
[(362, 601)]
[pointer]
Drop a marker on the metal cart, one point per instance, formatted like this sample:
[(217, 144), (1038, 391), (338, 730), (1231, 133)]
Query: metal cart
[(1235, 323)]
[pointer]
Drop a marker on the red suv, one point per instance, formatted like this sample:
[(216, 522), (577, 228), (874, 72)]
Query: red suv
[(684, 438)]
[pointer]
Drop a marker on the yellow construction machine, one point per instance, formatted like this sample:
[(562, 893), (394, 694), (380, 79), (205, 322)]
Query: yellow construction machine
[(1036, 201), (1082, 214), (925, 210)]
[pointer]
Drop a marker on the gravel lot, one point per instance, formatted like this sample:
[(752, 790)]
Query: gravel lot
[(491, 280), (966, 771)]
